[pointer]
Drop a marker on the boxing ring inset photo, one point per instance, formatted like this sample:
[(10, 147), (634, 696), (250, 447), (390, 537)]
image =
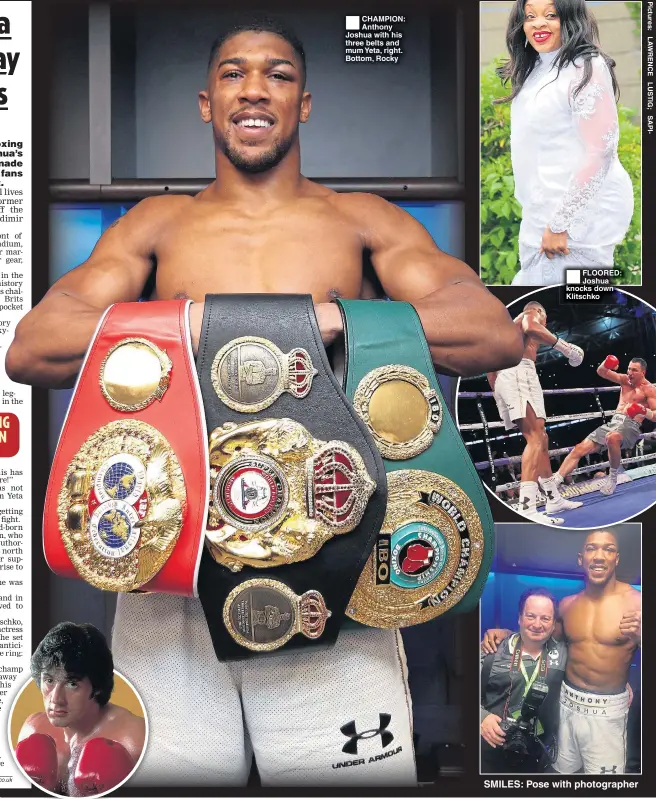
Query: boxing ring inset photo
[(577, 444)]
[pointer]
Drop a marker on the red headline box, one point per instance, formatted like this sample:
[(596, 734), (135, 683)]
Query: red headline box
[(9, 435)]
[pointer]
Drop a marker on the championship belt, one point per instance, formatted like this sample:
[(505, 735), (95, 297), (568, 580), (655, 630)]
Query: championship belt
[(297, 486), (434, 550), (127, 498)]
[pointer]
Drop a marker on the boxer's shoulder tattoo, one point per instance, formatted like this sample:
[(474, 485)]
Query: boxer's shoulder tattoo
[(181, 295), (114, 223)]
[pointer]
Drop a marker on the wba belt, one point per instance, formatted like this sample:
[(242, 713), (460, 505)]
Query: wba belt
[(298, 487), (434, 550), (127, 498)]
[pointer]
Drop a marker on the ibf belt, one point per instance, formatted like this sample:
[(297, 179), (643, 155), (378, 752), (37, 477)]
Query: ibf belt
[(434, 549), (297, 484), (127, 498)]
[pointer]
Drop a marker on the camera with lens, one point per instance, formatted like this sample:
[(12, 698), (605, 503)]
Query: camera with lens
[(522, 743)]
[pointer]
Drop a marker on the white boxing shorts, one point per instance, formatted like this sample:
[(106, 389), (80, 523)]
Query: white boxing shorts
[(338, 717), (515, 388), (592, 732)]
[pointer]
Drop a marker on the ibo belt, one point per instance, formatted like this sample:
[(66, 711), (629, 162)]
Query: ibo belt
[(297, 484), (434, 549), (128, 491)]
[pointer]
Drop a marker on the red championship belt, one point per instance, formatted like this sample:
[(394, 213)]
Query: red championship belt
[(128, 493)]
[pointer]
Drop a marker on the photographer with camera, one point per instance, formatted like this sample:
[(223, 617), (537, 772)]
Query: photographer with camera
[(520, 687)]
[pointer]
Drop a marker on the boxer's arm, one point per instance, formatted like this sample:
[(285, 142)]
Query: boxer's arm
[(532, 328), (468, 330), (52, 339), (611, 375)]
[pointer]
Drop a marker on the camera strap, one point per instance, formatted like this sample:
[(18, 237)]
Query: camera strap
[(517, 664)]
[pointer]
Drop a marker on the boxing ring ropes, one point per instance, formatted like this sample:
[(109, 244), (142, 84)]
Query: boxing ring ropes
[(568, 491)]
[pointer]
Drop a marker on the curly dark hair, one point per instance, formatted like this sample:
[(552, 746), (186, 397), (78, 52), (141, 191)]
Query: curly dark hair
[(580, 40), (81, 651), (260, 24)]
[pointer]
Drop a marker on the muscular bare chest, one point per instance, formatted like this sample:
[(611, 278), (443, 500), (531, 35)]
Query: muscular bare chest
[(595, 622), (305, 248), (630, 394)]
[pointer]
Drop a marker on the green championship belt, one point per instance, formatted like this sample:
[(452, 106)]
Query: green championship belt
[(434, 550)]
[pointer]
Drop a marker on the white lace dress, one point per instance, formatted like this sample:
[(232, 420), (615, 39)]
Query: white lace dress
[(566, 169)]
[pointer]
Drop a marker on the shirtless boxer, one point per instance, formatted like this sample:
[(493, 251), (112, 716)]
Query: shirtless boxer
[(262, 227), (602, 627), (81, 744), (637, 402), (520, 401)]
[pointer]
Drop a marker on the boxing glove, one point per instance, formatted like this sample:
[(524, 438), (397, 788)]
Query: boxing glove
[(103, 765), (611, 362), (573, 353), (37, 756), (636, 409)]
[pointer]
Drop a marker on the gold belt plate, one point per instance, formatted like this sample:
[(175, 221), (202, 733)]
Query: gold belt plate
[(250, 373), (427, 554), (262, 615), (278, 494), (400, 408), (121, 505)]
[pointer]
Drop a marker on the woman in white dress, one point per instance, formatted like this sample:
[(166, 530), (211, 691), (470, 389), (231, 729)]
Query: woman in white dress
[(576, 198)]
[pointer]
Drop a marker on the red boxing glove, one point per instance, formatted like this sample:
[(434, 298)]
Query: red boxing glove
[(636, 409), (611, 362), (103, 765), (37, 755)]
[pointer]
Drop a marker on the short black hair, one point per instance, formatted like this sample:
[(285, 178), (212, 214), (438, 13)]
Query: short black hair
[(641, 361), (261, 24), (607, 532), (538, 592), (81, 651)]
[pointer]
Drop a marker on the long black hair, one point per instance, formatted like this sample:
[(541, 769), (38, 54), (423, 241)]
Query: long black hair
[(579, 36)]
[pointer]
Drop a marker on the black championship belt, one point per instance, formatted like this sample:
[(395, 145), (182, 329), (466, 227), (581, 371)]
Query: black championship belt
[(434, 550), (298, 488)]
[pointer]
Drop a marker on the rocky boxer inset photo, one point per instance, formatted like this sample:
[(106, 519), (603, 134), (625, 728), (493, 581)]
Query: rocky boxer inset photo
[(561, 625), (78, 728), (567, 436)]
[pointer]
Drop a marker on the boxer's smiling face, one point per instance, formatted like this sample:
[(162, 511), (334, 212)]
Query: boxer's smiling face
[(600, 557), (67, 699), (255, 99)]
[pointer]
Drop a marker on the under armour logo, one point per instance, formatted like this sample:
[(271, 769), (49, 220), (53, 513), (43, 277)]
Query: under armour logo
[(550, 495), (525, 503), (605, 770), (351, 746)]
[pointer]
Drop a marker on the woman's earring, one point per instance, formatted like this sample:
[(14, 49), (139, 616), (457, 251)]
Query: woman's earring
[(525, 41)]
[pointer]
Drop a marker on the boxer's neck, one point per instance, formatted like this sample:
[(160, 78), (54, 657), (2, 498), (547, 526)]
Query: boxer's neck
[(597, 591)]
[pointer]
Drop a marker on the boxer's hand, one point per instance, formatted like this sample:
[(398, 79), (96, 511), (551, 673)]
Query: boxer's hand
[(329, 319), (491, 731), (631, 625), (611, 363), (492, 638), (37, 755), (196, 323), (573, 353), (636, 409), (554, 243), (103, 764)]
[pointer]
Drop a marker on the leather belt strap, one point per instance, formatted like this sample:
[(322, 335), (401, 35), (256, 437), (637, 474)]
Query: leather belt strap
[(435, 548), (127, 498), (257, 359)]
